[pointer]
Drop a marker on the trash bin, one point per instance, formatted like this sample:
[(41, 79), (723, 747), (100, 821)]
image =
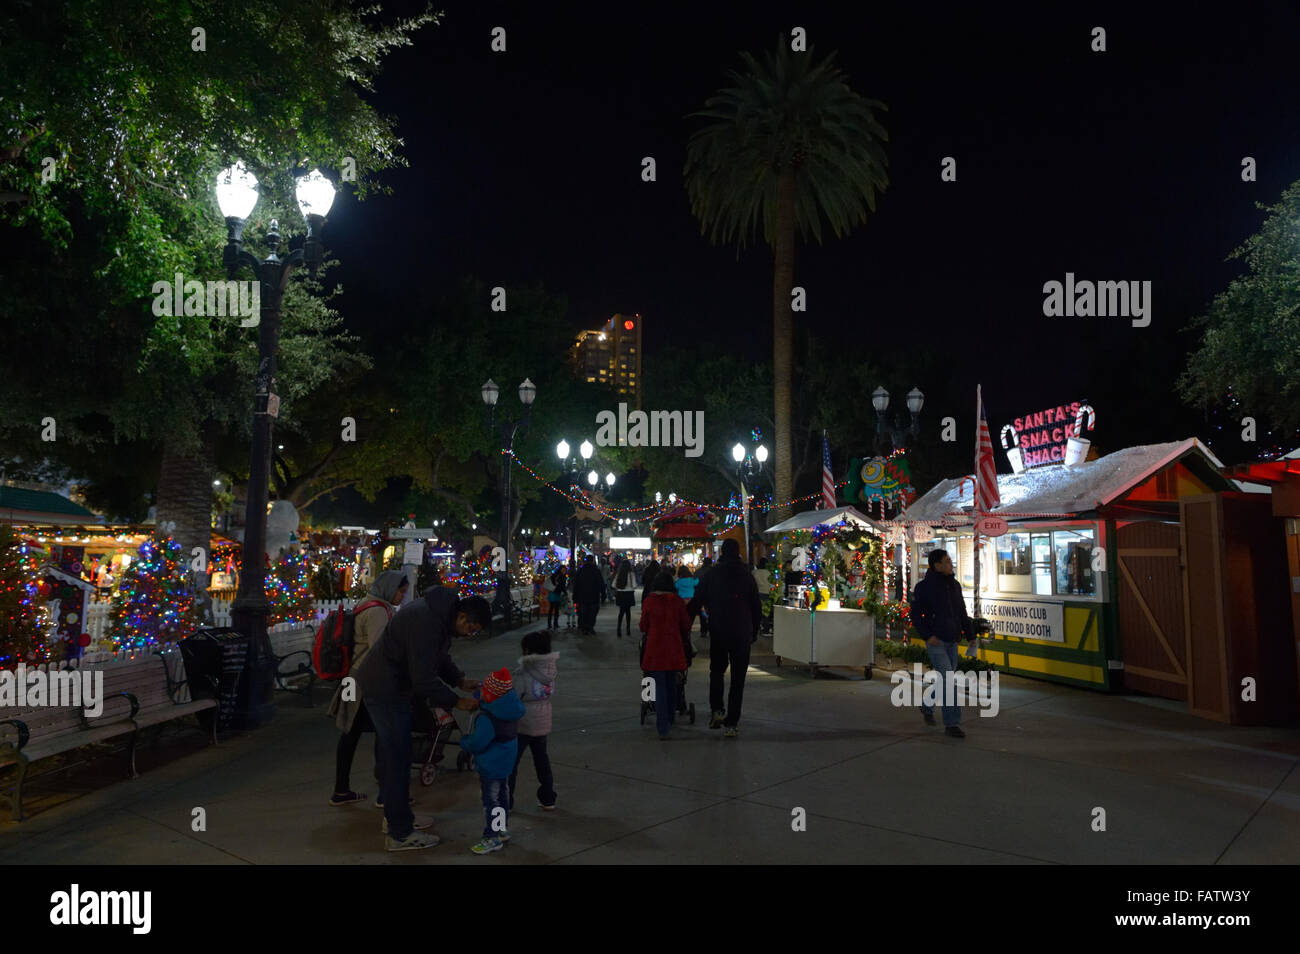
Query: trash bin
[(224, 661)]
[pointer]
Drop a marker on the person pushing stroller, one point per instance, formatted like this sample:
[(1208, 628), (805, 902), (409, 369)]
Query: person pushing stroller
[(666, 648)]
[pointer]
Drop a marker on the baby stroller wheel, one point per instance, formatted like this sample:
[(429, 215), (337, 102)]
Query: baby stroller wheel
[(690, 713), (427, 774)]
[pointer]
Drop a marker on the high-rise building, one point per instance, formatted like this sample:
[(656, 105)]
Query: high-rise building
[(612, 356)]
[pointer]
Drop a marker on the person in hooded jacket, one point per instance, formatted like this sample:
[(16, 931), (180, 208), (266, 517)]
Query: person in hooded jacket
[(493, 741), (730, 597), (667, 650), (413, 657), (536, 672), (370, 619)]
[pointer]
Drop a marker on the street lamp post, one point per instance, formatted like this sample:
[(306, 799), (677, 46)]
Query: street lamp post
[(236, 190), (897, 434), (573, 469), (508, 429), (747, 465)]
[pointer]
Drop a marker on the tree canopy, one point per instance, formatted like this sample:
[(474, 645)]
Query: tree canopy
[(1248, 357)]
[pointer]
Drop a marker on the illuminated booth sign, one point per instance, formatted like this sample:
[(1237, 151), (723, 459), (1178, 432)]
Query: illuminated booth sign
[(1042, 436)]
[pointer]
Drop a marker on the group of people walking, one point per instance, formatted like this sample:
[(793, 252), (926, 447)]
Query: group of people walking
[(402, 672)]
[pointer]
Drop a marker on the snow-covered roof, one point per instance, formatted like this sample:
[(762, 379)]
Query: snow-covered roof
[(812, 518), (1057, 489)]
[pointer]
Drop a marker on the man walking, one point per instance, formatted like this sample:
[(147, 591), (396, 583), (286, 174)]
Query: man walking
[(939, 614), (730, 596), (586, 593), (413, 658)]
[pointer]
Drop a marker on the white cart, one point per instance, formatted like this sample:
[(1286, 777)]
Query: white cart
[(825, 637)]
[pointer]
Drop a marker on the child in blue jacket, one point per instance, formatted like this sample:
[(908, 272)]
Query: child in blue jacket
[(492, 741)]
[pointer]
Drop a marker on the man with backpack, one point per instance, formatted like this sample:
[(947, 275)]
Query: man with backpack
[(730, 596), (369, 620), (413, 658)]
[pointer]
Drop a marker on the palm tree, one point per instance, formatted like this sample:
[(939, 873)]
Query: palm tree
[(787, 145)]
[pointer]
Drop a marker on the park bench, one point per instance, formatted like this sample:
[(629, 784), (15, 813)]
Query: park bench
[(523, 605), (137, 694), (294, 669)]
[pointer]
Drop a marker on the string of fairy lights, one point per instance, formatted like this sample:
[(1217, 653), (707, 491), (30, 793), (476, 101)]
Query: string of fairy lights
[(584, 500)]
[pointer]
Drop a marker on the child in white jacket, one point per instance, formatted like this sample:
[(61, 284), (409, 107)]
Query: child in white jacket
[(535, 681)]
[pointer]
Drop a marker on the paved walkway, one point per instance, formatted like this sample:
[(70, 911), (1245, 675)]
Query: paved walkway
[(876, 784)]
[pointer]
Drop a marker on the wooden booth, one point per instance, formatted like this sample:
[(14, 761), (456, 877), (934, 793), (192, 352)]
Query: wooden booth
[(1148, 569)]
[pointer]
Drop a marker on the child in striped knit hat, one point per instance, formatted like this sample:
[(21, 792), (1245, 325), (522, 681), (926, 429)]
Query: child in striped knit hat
[(493, 743)]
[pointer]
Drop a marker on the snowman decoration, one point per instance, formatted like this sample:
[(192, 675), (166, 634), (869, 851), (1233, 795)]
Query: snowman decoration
[(281, 529)]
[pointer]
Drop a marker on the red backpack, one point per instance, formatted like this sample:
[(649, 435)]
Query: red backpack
[(331, 653)]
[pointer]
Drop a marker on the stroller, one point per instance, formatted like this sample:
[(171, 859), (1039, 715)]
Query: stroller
[(428, 740), (682, 707)]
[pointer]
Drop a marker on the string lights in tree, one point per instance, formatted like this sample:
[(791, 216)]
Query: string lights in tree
[(24, 621), (153, 604), (476, 576), (288, 590)]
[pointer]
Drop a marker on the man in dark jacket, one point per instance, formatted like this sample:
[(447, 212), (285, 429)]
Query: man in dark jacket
[(413, 658), (730, 596), (586, 593), (940, 617)]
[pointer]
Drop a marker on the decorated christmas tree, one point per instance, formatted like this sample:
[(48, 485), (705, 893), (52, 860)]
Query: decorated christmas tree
[(476, 577), (22, 608), (153, 604), (550, 561), (522, 568), (288, 590)]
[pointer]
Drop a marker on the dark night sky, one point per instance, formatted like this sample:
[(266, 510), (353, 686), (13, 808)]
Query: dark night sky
[(1123, 165)]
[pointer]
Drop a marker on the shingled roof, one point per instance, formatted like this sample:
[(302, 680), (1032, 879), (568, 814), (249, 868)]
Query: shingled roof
[(1083, 488)]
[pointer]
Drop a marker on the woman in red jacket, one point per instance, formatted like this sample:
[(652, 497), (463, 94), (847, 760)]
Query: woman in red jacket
[(667, 648)]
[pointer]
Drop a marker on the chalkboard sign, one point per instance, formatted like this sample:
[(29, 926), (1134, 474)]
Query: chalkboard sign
[(219, 654)]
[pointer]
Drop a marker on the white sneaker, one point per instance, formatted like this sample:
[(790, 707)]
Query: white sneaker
[(422, 823), (413, 841)]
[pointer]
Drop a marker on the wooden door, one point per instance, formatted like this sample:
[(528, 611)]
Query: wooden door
[(1203, 581), (1152, 629)]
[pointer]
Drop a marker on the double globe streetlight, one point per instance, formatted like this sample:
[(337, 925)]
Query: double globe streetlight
[(748, 464), (237, 195), (573, 469), (897, 434)]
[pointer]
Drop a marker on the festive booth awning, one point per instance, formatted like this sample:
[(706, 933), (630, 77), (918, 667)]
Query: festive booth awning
[(813, 518), (684, 523)]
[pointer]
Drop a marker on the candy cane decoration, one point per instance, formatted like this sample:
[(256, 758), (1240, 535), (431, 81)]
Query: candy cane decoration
[(1084, 410), (1015, 438)]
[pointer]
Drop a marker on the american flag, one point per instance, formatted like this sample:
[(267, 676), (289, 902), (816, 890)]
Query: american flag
[(986, 472), (828, 484)]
